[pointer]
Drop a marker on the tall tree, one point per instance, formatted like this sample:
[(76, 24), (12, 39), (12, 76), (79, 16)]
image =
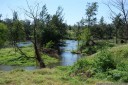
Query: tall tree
[(33, 13), (55, 29), (91, 13)]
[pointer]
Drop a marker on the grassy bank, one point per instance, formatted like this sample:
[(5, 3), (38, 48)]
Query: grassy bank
[(106, 66), (56, 76), (10, 56)]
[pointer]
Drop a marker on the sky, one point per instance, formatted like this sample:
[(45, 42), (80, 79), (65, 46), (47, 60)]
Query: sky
[(73, 12)]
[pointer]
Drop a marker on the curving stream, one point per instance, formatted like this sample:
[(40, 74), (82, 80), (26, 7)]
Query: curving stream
[(67, 58)]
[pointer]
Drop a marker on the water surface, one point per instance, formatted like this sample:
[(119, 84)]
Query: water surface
[(66, 57)]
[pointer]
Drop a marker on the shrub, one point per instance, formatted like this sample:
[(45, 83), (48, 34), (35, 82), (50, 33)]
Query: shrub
[(82, 67), (119, 75), (104, 61)]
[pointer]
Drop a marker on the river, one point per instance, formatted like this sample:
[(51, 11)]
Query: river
[(66, 57)]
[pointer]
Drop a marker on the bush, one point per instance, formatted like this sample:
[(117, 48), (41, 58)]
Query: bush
[(82, 67), (123, 66), (118, 75), (104, 61)]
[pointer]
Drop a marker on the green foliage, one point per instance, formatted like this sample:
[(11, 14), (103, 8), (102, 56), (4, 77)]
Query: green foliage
[(96, 46), (17, 32), (49, 44), (91, 13), (85, 35), (118, 75), (80, 66), (3, 34), (110, 64), (55, 29), (104, 61)]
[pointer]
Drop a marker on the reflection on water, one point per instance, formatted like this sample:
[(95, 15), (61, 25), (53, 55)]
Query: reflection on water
[(21, 44), (8, 68), (67, 58)]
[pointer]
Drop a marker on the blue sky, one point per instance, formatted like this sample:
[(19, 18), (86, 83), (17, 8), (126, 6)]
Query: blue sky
[(74, 10)]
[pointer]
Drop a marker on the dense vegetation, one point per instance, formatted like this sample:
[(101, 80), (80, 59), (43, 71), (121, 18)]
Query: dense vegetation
[(110, 64), (105, 46)]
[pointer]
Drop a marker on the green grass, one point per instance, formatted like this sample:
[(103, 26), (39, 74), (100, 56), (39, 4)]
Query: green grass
[(107, 65), (8, 56), (56, 76)]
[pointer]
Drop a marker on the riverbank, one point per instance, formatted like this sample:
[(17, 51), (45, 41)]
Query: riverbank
[(46, 76), (108, 66), (93, 47), (10, 56)]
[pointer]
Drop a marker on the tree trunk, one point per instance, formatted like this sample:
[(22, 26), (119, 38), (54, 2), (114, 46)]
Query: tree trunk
[(37, 53), (38, 57)]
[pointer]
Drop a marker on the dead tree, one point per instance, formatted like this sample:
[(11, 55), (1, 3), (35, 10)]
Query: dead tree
[(121, 6), (33, 14)]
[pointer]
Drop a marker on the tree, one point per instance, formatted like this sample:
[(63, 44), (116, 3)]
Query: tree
[(102, 27), (121, 7), (86, 35), (27, 29), (80, 27), (33, 13), (17, 31), (44, 26), (55, 30), (118, 23), (3, 34), (9, 23), (91, 13)]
